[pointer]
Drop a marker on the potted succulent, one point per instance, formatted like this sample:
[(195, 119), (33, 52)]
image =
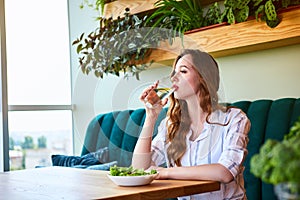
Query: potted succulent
[(278, 163)]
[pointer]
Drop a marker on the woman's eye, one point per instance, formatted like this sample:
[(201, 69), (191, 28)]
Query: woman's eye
[(183, 71)]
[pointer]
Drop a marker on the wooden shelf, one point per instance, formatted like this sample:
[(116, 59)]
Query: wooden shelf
[(237, 38), (117, 8), (223, 40)]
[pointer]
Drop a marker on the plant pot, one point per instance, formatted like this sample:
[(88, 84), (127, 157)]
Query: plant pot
[(206, 28), (287, 191)]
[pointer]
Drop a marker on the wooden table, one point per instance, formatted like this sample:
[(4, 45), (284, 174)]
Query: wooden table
[(71, 183)]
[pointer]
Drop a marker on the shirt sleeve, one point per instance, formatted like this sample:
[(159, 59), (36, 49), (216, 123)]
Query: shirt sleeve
[(158, 149), (235, 142)]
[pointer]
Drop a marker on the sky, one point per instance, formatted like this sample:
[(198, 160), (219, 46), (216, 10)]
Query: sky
[(38, 62)]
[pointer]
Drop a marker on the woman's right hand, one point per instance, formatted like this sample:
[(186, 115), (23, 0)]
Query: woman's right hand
[(154, 111)]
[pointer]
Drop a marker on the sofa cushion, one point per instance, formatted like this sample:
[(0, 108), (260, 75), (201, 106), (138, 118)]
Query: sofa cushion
[(94, 158), (104, 166), (119, 131), (257, 112), (269, 119)]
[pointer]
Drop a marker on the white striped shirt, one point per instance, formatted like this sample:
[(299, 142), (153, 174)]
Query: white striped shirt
[(226, 145)]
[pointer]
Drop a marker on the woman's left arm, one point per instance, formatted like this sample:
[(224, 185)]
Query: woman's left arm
[(214, 172)]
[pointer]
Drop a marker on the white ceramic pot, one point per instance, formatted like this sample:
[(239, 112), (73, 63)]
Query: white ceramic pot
[(287, 191)]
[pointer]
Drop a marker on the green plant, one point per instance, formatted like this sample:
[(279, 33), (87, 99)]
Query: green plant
[(265, 10), (118, 45), (279, 162), (180, 16), (96, 4), (235, 11), (185, 15), (213, 15)]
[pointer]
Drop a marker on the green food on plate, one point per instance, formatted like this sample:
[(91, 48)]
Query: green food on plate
[(129, 171)]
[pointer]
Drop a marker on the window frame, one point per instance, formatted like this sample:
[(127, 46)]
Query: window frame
[(4, 137), (5, 108)]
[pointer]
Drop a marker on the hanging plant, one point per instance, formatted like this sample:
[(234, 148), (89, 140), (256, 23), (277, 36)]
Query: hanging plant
[(119, 45)]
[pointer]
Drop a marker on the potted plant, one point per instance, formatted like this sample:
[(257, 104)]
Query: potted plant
[(180, 16), (123, 44), (265, 10), (278, 163), (187, 15)]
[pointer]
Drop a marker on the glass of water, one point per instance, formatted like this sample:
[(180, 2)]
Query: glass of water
[(163, 91)]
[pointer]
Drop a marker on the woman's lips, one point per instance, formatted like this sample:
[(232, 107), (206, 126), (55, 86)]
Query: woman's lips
[(175, 87)]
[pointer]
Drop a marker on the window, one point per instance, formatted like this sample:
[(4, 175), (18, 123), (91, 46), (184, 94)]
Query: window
[(38, 81)]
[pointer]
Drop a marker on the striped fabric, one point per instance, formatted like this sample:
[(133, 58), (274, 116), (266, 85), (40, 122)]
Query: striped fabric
[(226, 145)]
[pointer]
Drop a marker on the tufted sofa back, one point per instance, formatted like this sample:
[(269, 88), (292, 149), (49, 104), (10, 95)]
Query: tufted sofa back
[(119, 131)]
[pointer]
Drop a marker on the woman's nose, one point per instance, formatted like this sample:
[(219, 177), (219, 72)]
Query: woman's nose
[(174, 77)]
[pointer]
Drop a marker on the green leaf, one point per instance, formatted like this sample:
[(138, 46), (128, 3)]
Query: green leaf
[(259, 11), (243, 14), (256, 2), (223, 15), (79, 48), (229, 3), (75, 42), (270, 10), (230, 16), (242, 3), (131, 46), (273, 23), (81, 36)]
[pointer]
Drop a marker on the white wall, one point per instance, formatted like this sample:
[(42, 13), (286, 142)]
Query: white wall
[(268, 74), (273, 73)]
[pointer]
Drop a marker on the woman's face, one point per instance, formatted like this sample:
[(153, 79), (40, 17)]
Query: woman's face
[(186, 79)]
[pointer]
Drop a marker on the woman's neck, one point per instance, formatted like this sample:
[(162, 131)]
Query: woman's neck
[(197, 116)]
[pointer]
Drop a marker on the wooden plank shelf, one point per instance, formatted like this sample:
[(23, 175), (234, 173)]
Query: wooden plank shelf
[(117, 8), (223, 40), (238, 38)]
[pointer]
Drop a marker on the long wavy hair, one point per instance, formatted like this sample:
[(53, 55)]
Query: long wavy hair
[(178, 118)]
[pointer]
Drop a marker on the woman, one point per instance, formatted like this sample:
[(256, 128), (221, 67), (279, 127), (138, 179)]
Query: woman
[(199, 139)]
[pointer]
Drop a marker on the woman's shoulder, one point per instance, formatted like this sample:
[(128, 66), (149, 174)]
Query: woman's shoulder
[(237, 115), (229, 110), (230, 113), (235, 111)]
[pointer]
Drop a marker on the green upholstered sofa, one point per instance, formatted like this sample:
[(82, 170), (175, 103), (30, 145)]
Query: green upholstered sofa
[(119, 131)]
